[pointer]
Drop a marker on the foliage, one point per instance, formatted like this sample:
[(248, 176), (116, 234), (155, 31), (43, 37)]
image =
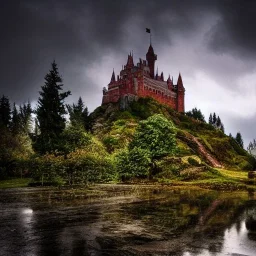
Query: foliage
[(5, 112), (79, 115), (21, 121), (50, 112), (14, 151), (154, 138), (156, 135), (73, 138), (252, 148), (196, 114), (239, 140), (216, 122), (133, 163)]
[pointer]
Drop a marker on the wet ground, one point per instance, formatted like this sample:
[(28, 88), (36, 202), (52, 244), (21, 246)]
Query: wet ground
[(126, 220)]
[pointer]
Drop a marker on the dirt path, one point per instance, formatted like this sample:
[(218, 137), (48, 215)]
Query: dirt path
[(202, 150)]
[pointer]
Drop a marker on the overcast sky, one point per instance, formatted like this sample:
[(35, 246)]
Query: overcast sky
[(212, 43)]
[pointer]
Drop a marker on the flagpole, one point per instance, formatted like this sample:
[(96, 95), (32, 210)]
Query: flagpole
[(148, 30)]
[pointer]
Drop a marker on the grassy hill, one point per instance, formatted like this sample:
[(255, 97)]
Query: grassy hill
[(200, 147)]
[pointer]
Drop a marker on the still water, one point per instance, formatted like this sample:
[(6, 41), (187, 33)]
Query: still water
[(127, 220)]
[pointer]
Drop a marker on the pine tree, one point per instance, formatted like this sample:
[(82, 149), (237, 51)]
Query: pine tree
[(210, 119), (26, 117), (50, 111), (5, 112), (15, 124), (214, 119), (79, 115), (196, 114), (239, 140), (222, 128), (218, 122)]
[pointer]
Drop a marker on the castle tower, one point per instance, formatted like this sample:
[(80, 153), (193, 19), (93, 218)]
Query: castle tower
[(151, 58), (180, 95), (130, 63), (113, 77)]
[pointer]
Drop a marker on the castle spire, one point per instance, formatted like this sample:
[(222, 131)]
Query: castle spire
[(113, 77), (180, 83), (130, 63), (162, 76), (169, 81), (151, 58)]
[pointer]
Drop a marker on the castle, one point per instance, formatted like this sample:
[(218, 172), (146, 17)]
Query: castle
[(139, 80)]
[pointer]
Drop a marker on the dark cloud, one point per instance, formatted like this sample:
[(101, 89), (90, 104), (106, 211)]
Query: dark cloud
[(234, 32), (88, 38)]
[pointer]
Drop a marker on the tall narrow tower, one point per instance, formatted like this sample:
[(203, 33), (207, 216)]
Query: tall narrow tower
[(180, 95), (151, 58)]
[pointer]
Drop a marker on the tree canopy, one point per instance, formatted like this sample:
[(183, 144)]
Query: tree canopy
[(196, 114), (239, 140)]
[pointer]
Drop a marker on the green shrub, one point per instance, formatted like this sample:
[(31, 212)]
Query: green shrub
[(110, 143), (245, 166), (133, 163)]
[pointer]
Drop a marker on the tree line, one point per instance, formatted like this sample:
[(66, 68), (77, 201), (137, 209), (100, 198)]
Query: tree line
[(42, 144), (215, 122)]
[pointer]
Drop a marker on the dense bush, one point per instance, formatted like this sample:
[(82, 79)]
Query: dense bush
[(133, 163), (154, 138)]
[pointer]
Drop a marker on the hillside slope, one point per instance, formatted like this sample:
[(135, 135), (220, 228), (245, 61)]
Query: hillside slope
[(195, 139)]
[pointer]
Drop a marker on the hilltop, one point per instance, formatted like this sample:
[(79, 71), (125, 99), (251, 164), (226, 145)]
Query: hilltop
[(202, 151)]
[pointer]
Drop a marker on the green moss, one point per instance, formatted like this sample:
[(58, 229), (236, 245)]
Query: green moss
[(14, 183)]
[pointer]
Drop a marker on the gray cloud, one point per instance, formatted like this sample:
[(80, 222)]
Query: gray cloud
[(89, 38)]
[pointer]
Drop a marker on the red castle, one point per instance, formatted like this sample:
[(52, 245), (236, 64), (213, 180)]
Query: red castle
[(140, 81)]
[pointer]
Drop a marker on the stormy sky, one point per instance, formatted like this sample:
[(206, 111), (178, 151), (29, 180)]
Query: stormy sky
[(212, 43)]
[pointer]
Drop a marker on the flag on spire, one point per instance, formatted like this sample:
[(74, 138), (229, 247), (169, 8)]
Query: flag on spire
[(148, 30)]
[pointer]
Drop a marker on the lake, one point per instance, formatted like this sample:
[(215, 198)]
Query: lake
[(127, 220)]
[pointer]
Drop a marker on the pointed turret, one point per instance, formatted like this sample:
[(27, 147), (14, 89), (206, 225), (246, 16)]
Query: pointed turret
[(113, 77), (156, 77), (130, 61), (151, 58), (162, 76), (169, 83), (180, 95), (180, 84)]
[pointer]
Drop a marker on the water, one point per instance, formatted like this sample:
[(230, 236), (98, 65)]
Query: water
[(127, 220)]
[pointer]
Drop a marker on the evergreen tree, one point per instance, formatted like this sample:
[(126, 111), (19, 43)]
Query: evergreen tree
[(214, 119), (218, 122), (78, 114), (222, 128), (196, 114), (5, 112), (239, 140), (26, 117), (252, 148), (210, 119), (15, 124), (50, 112)]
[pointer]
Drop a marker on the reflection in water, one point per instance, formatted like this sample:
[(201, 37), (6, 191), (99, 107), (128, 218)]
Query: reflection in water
[(130, 222)]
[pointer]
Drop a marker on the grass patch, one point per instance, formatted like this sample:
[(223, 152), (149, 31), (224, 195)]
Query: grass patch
[(15, 183)]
